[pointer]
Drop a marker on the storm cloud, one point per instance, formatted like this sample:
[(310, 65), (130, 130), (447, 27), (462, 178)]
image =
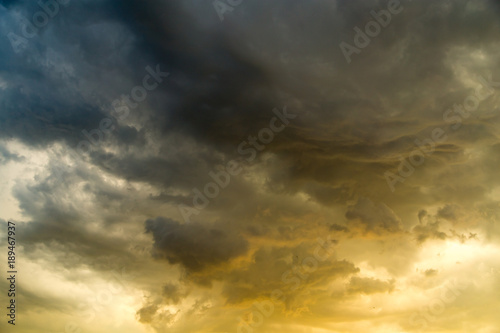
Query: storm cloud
[(98, 152)]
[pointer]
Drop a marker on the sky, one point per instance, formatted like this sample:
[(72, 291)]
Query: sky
[(241, 166)]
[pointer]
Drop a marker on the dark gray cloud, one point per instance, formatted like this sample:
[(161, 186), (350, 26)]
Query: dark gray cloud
[(225, 82), (194, 246)]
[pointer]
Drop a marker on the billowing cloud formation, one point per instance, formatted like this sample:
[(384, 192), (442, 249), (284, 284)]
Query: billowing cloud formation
[(193, 245), (114, 113)]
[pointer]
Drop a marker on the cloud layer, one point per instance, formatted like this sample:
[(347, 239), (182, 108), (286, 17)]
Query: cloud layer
[(96, 165)]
